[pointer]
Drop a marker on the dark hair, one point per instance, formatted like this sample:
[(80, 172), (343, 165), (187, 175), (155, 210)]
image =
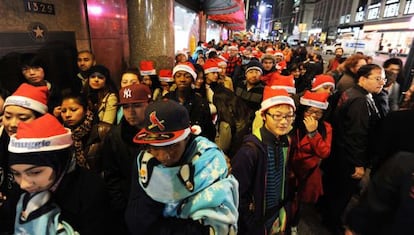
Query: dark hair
[(32, 60), (154, 79), (133, 70), (391, 61), (95, 97), (366, 70), (293, 67), (78, 97), (87, 51), (300, 114), (4, 93)]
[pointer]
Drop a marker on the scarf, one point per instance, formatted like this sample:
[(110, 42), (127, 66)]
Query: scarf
[(78, 134), (200, 189)]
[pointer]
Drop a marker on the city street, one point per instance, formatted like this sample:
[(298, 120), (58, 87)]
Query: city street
[(379, 59)]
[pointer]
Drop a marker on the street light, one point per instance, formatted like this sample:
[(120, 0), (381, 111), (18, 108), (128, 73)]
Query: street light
[(262, 8)]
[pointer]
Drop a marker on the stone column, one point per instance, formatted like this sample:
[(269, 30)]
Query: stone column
[(151, 32), (203, 25)]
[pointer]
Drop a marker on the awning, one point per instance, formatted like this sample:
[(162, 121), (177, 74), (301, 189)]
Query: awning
[(218, 7), (235, 20)]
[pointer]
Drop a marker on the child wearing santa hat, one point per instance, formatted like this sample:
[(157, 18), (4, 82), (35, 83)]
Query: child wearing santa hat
[(25, 105), (311, 143), (58, 195), (260, 167)]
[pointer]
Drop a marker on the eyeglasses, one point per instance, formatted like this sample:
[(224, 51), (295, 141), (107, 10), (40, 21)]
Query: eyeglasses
[(279, 117), (378, 79), (318, 113)]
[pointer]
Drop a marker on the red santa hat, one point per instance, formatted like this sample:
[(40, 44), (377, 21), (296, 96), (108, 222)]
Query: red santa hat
[(187, 67), (33, 137), (182, 52), (272, 97), (232, 48), (317, 100), (279, 53), (146, 67), (166, 75), (322, 80), (30, 97), (211, 66), (287, 83), (269, 50)]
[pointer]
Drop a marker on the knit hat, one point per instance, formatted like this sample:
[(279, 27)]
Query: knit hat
[(187, 67), (254, 64), (166, 122), (99, 69), (272, 97), (30, 97), (166, 75), (134, 93), (211, 66), (322, 80), (146, 67), (280, 81), (34, 144), (317, 100)]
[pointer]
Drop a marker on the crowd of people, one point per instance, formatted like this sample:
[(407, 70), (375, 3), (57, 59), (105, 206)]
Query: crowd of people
[(239, 137)]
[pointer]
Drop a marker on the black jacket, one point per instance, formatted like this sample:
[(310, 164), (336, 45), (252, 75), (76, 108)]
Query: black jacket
[(8, 188), (355, 123), (388, 204), (199, 112), (84, 202), (119, 153)]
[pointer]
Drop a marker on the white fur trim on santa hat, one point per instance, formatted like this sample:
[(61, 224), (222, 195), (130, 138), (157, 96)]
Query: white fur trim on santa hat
[(277, 100), (289, 89), (29, 145), (323, 84), (212, 70), (186, 68), (279, 54), (148, 72), (166, 79), (314, 103), (26, 102)]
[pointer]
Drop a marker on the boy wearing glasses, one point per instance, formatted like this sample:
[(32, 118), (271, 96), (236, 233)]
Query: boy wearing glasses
[(260, 167)]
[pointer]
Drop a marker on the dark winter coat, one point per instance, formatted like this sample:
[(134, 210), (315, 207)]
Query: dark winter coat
[(249, 166), (199, 111), (119, 153), (84, 202)]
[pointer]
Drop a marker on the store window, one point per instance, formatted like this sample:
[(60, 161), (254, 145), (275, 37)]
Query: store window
[(186, 28), (391, 8), (409, 7)]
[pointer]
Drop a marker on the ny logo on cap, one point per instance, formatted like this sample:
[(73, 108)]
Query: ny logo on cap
[(155, 122), (127, 93)]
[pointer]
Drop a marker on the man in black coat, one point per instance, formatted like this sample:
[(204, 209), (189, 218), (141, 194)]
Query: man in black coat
[(355, 120), (196, 105), (119, 151)]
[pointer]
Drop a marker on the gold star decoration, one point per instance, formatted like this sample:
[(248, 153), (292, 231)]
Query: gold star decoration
[(38, 32)]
